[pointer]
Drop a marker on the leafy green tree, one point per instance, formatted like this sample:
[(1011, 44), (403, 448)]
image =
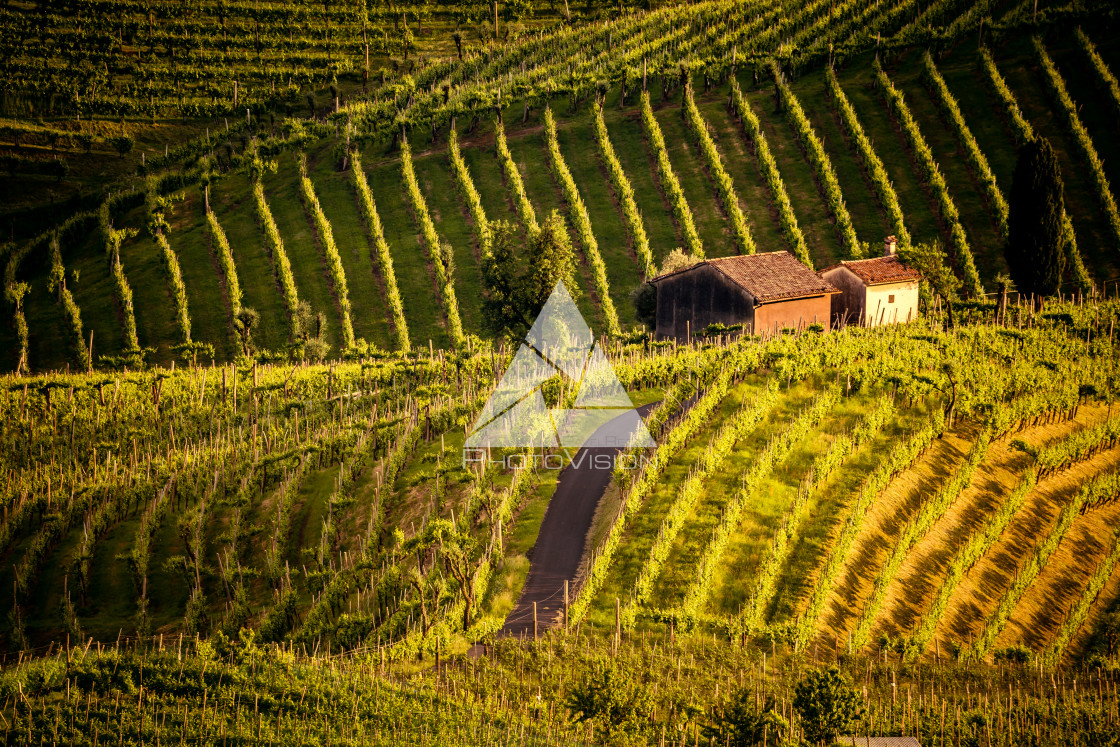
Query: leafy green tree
[(312, 329), (738, 722), (457, 551), (613, 698), (677, 260), (929, 259), (828, 705), (245, 322), (644, 299), (551, 260), (517, 287), (123, 144), (1036, 241)]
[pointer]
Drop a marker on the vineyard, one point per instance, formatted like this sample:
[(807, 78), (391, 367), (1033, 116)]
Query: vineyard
[(251, 258), (929, 498), (671, 128)]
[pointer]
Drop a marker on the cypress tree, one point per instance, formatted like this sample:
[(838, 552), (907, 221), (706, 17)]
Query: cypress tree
[(1035, 249)]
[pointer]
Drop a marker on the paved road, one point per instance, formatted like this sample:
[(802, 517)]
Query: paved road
[(559, 547)]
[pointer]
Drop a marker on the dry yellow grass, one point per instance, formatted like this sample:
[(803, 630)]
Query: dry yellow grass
[(887, 514), (1105, 601), (978, 593), (1040, 612), (919, 578)]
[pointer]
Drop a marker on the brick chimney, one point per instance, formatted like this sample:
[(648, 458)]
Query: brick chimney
[(890, 246)]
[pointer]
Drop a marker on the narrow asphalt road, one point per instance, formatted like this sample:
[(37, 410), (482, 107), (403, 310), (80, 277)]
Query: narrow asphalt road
[(563, 533)]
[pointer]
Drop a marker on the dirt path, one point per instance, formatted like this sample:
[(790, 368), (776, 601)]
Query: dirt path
[(559, 548)]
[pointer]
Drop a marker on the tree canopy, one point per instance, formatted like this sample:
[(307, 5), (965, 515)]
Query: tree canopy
[(827, 704), (517, 287)]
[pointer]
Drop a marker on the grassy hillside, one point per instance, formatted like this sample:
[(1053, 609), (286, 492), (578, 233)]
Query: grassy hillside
[(220, 536), (280, 539), (821, 486), (982, 113)]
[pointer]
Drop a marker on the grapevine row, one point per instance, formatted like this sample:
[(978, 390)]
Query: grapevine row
[(330, 249), (70, 308), (1020, 127), (725, 187), (280, 260), (1081, 137), (525, 211), (285, 496), (435, 249), (822, 165), (625, 193), (381, 251), (225, 259), (577, 212), (178, 287), (870, 159), (158, 227), (933, 177), (1078, 447), (669, 182), (463, 180), (140, 554), (112, 240), (976, 159), (1106, 77), (769, 168)]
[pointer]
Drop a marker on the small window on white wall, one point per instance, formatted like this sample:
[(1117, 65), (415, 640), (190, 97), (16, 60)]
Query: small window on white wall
[(890, 298)]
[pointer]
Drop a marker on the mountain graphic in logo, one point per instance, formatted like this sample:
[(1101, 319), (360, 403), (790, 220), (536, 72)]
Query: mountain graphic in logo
[(559, 343)]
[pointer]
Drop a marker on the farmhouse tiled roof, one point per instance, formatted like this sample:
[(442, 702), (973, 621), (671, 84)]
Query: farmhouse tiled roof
[(769, 276), (879, 270), (880, 741)]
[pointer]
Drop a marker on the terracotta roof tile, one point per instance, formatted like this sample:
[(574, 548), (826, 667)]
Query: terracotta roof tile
[(879, 270), (770, 276)]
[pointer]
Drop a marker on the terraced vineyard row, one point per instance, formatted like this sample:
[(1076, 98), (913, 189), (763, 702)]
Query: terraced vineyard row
[(670, 203), (264, 510), (260, 508), (699, 523)]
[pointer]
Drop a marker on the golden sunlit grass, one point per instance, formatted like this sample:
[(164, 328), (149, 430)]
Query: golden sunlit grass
[(826, 512), (1059, 585), (886, 516), (925, 566), (981, 587)]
